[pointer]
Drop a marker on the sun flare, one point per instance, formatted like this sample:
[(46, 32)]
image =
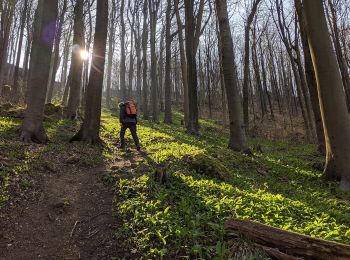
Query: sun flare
[(84, 54)]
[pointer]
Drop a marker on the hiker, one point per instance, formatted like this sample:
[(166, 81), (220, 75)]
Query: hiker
[(128, 119)]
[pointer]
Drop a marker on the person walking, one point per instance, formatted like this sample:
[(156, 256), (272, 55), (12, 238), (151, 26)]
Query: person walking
[(128, 120)]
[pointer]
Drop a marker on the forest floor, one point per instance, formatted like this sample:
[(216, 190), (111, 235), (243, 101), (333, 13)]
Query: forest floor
[(77, 201), (59, 208)]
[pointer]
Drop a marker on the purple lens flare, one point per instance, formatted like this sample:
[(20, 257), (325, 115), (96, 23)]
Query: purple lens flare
[(49, 33)]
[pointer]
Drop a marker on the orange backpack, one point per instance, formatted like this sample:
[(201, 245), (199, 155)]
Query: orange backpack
[(131, 109)]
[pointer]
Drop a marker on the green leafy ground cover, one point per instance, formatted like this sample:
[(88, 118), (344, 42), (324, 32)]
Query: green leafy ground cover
[(208, 184), (185, 217)]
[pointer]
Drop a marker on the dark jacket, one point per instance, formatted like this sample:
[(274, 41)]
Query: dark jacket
[(123, 117)]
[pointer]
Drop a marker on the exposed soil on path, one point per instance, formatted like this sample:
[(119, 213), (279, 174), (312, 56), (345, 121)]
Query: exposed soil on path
[(67, 215)]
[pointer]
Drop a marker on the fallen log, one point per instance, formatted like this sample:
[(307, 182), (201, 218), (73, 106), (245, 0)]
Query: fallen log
[(288, 242), (276, 254)]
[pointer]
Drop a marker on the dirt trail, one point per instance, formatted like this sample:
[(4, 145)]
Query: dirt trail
[(69, 217)]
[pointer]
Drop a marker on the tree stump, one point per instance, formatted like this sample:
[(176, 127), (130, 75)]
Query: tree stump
[(160, 174)]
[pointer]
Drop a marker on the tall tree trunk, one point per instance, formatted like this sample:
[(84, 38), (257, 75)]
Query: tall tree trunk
[(90, 129), (49, 90), (45, 21), (223, 97), (259, 84), (86, 63), (110, 56), (131, 73), (13, 50), (264, 75), (122, 83), (310, 78), (76, 69), (64, 80), (160, 73), (183, 61), (109, 66), (139, 70), (16, 87), (246, 62), (153, 12), (131, 57), (301, 100), (12, 53), (237, 130), (6, 18), (138, 51), (27, 54), (144, 61), (208, 54), (167, 83), (340, 56), (222, 80), (305, 92), (56, 55), (193, 125), (293, 48), (335, 117)]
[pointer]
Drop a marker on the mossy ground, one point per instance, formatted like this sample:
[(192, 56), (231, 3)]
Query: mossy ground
[(185, 217)]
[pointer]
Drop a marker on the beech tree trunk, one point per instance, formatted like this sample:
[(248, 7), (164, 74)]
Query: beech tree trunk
[(153, 13), (131, 56), (304, 90), (192, 80), (111, 40), (310, 77), (144, 61), (138, 51), (27, 54), (167, 83), (344, 70), (258, 80), (122, 83), (160, 73), (335, 117), (6, 19), (43, 39), (64, 65), (246, 63), (294, 55), (237, 140), (76, 69), (222, 80), (109, 65), (64, 81), (16, 87), (90, 129), (86, 64), (208, 61), (183, 60), (56, 55), (264, 76)]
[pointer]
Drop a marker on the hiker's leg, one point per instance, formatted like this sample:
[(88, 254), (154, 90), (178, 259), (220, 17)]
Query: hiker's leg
[(134, 135), (122, 135)]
